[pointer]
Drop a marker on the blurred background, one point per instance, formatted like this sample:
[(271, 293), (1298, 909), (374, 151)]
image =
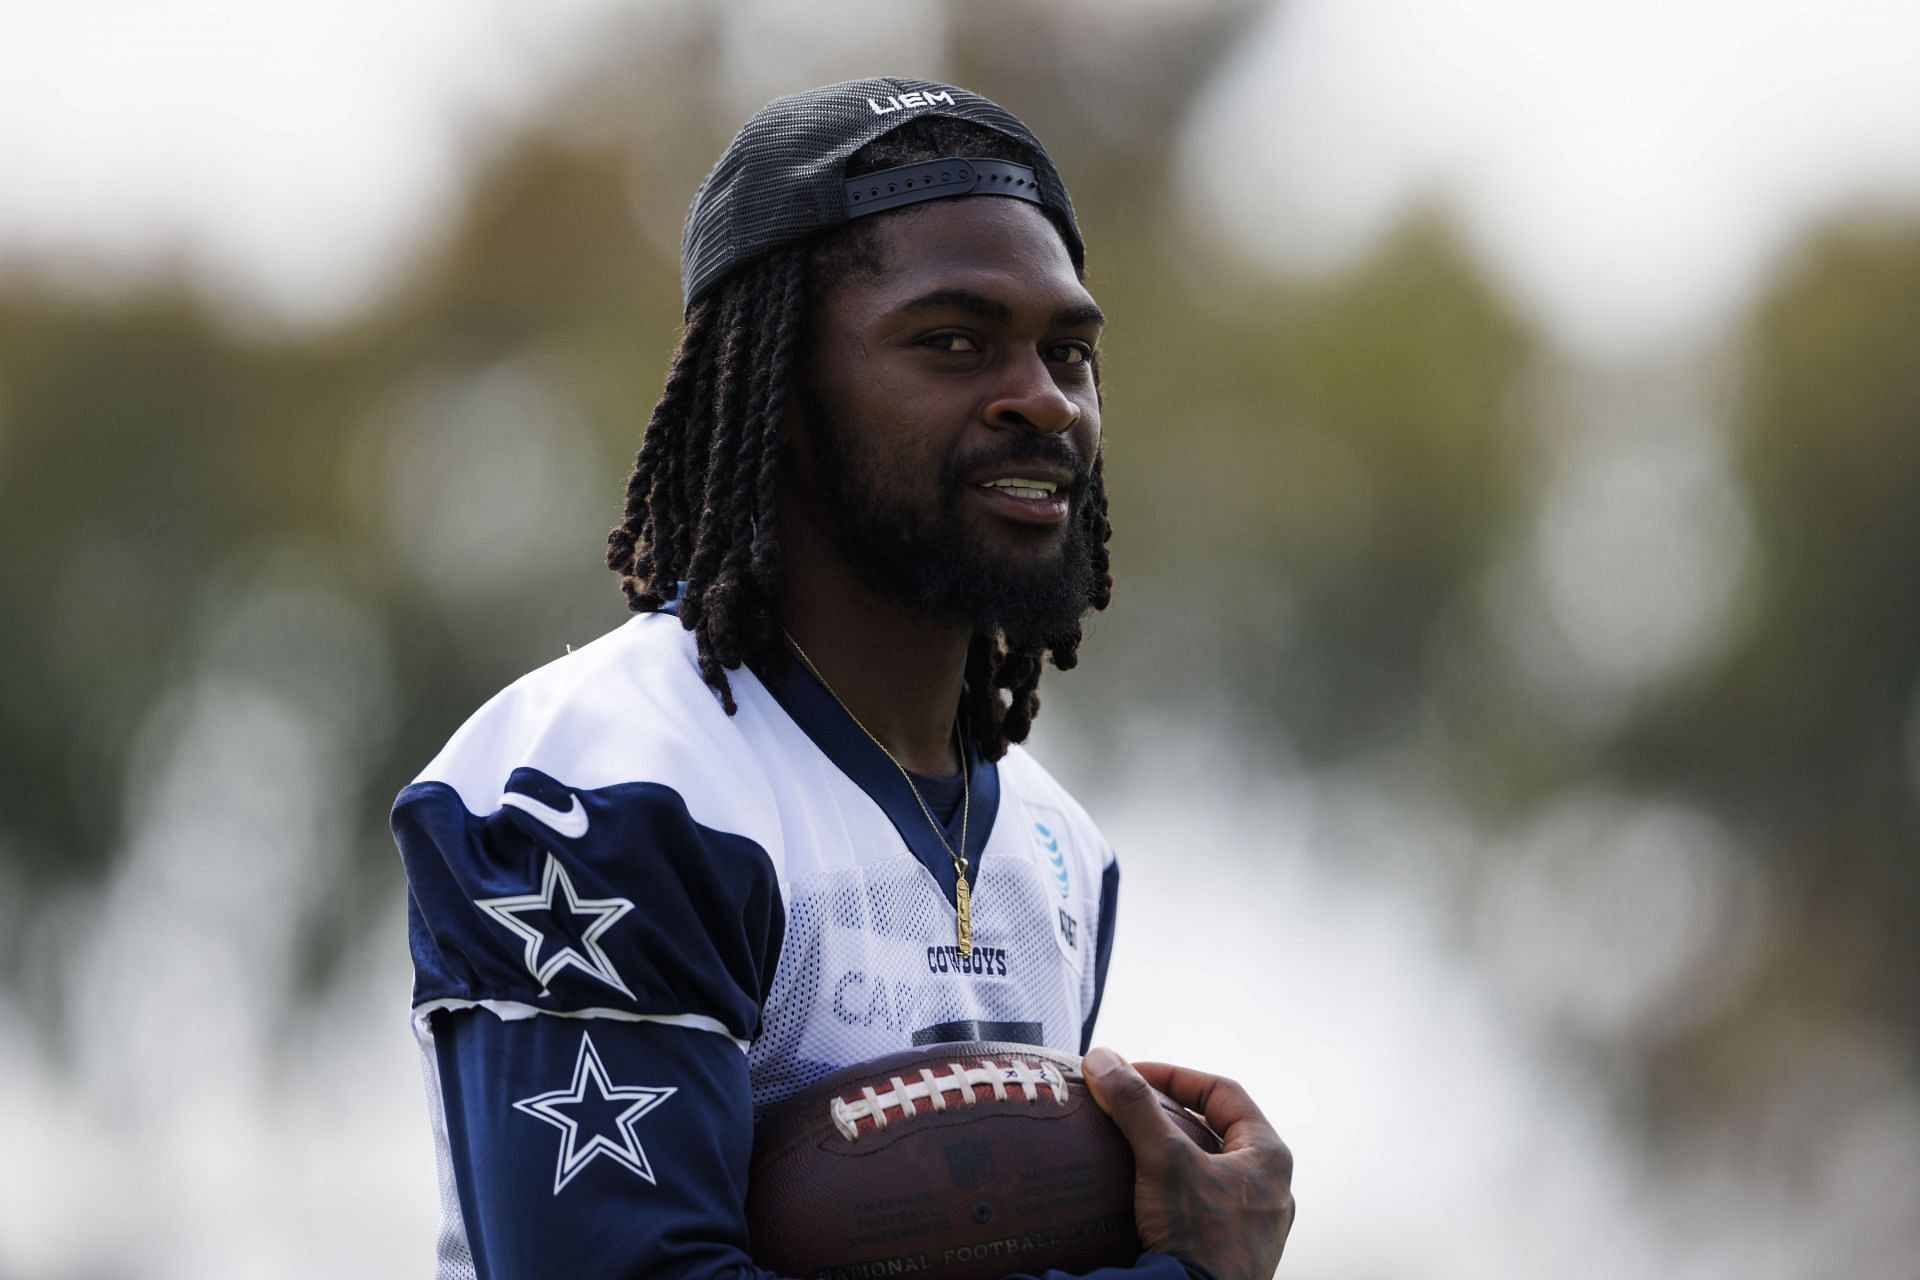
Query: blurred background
[(1509, 717)]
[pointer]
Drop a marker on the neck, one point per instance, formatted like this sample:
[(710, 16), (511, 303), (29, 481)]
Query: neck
[(899, 674)]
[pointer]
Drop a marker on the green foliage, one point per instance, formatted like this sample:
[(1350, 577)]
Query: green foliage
[(1807, 737), (1806, 724), (1315, 470), (141, 445)]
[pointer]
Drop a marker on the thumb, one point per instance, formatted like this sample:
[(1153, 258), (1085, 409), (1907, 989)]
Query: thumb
[(1124, 1094)]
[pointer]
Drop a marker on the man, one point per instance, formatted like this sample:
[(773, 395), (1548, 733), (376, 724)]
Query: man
[(778, 823)]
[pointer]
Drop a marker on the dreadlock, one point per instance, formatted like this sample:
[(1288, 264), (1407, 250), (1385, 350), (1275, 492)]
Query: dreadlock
[(700, 498)]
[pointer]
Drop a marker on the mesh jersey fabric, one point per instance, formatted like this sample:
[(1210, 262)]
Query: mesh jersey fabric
[(873, 967), (601, 857), (783, 176)]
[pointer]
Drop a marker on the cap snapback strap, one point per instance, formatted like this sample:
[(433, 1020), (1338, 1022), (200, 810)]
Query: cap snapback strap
[(934, 179)]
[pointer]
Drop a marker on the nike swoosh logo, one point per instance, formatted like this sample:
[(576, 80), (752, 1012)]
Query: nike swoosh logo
[(572, 824)]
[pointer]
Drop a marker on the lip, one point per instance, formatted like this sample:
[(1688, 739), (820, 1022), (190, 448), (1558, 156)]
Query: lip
[(1048, 510)]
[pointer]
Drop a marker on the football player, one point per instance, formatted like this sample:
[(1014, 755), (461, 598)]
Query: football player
[(780, 821)]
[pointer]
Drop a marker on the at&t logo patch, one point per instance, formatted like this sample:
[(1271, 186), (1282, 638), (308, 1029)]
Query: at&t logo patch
[(1050, 849)]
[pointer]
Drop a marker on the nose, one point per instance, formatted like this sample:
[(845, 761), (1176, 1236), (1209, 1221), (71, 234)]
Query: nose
[(1030, 399)]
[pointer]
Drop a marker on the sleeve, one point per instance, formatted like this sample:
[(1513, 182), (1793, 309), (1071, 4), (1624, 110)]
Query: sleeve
[(589, 967), (592, 1147)]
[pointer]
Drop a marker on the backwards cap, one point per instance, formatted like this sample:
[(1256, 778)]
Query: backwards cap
[(783, 177)]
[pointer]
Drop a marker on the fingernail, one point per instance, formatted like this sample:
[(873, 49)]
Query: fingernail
[(1100, 1062)]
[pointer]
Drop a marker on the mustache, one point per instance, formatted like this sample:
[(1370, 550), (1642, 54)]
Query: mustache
[(1053, 450)]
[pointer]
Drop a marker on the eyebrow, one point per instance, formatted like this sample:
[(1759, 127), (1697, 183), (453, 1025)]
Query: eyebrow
[(987, 308)]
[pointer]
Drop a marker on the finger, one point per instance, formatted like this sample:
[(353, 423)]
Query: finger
[(1228, 1109), (1123, 1094)]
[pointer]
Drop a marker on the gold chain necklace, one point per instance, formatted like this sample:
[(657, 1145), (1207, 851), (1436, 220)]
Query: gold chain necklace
[(962, 896)]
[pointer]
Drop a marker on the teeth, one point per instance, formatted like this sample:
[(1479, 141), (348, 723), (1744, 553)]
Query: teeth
[(1023, 488)]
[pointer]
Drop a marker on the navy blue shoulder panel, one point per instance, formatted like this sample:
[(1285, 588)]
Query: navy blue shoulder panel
[(569, 899), (1102, 948)]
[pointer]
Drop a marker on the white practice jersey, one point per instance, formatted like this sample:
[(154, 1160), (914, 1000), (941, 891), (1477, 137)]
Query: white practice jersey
[(637, 921)]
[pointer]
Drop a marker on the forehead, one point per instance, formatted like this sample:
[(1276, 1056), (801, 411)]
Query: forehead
[(1006, 249)]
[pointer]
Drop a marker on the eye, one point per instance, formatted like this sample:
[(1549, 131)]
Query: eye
[(1071, 353), (958, 343)]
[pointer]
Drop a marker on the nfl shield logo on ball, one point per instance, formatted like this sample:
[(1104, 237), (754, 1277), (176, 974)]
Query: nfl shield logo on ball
[(970, 1163)]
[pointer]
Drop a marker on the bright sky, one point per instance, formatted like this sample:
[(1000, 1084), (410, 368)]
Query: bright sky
[(290, 152), (1628, 169)]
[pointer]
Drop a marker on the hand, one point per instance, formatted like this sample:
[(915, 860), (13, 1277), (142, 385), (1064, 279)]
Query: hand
[(1228, 1213)]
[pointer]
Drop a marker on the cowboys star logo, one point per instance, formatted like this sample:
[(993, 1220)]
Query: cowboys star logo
[(575, 1109), (591, 959)]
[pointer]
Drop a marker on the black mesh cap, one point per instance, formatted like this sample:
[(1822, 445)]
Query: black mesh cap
[(783, 177)]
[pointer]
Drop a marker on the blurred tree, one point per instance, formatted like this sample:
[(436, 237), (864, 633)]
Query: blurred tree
[(1803, 739), (1304, 478), (142, 445)]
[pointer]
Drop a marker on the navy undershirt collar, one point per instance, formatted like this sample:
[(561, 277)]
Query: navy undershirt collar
[(944, 796), (822, 718)]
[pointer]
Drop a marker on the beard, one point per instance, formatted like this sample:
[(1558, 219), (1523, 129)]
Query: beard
[(928, 563)]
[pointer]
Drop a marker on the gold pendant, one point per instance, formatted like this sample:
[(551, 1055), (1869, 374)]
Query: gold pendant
[(963, 905)]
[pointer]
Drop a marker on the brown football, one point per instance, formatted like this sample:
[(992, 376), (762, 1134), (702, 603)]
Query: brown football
[(954, 1162)]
